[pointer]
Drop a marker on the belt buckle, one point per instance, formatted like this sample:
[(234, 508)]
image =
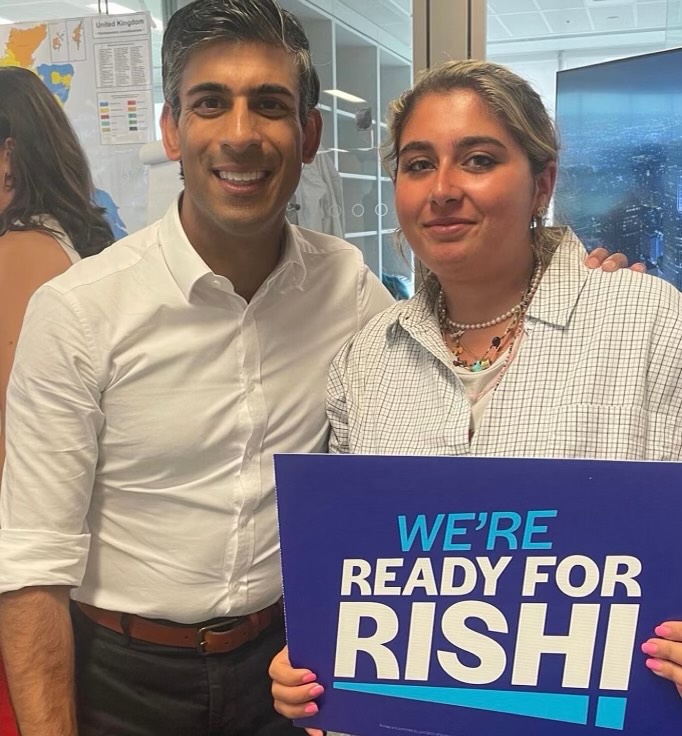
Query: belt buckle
[(219, 627)]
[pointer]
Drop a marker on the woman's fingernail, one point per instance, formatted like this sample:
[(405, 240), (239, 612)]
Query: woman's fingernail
[(649, 648), (310, 709), (315, 691), (310, 677), (663, 630), (654, 665)]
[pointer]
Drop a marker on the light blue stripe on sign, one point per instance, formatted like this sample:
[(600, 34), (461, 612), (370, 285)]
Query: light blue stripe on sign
[(611, 712), (552, 706)]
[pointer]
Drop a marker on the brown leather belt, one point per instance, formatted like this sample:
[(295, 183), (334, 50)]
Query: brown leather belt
[(225, 635)]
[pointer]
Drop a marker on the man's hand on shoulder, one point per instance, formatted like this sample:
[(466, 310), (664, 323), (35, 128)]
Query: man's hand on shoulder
[(600, 257)]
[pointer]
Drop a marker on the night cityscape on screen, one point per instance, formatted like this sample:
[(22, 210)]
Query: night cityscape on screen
[(620, 174)]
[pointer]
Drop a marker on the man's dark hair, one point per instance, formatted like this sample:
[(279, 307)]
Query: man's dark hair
[(260, 21)]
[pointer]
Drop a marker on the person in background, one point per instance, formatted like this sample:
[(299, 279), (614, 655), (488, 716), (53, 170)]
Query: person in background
[(47, 220), (512, 347)]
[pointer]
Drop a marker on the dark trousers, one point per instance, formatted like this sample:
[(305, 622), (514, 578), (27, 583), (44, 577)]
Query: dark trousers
[(128, 688)]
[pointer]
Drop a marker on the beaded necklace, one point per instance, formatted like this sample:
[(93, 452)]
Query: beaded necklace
[(515, 315)]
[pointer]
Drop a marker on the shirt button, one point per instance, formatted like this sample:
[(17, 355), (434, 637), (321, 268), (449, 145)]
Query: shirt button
[(249, 455), (251, 388)]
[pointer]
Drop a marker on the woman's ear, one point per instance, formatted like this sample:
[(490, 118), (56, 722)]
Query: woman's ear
[(7, 181), (544, 185), (6, 148)]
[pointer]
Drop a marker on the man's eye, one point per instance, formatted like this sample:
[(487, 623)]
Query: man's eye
[(208, 104), (416, 165), (272, 105)]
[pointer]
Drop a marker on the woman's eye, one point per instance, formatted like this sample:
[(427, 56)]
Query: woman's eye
[(479, 162)]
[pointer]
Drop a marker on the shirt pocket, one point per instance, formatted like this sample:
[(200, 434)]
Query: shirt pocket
[(616, 432)]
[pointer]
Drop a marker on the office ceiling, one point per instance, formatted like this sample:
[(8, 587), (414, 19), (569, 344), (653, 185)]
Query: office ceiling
[(534, 19), (18, 11), (508, 20)]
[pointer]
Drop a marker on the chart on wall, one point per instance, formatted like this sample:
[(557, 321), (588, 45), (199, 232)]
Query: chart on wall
[(99, 69)]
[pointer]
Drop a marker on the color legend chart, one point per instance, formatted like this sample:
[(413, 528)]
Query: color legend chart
[(124, 117), (105, 117), (132, 115)]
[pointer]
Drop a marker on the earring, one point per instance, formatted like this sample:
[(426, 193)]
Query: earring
[(541, 212), (8, 181)]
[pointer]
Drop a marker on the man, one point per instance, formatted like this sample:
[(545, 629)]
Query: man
[(151, 390), (151, 387)]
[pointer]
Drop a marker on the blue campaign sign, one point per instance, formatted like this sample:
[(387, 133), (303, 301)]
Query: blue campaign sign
[(481, 596)]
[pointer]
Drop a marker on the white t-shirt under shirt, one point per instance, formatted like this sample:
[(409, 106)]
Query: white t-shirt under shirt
[(479, 388), (60, 236)]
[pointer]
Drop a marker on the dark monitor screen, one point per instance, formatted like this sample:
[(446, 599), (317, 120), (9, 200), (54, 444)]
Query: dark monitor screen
[(620, 173)]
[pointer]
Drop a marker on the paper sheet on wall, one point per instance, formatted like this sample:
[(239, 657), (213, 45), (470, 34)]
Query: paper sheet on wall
[(99, 69)]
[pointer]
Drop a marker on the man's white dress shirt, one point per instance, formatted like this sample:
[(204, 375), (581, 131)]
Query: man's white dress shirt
[(598, 375), (146, 402)]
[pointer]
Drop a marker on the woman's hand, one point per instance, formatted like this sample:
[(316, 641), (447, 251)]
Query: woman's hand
[(294, 690), (665, 652), (600, 257)]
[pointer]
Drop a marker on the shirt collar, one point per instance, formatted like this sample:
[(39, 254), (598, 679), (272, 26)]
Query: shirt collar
[(418, 313), (553, 302), (417, 316), (291, 265), (185, 264), (561, 283), (188, 268)]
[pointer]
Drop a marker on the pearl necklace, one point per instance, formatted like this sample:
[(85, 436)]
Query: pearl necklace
[(454, 328), (516, 315)]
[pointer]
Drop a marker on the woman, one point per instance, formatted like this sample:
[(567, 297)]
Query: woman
[(47, 217), (512, 347)]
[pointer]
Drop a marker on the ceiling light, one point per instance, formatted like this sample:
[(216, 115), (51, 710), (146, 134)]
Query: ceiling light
[(344, 95), (4, 22)]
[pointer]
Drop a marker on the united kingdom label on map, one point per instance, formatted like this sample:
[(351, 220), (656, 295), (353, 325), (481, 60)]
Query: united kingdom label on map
[(99, 69)]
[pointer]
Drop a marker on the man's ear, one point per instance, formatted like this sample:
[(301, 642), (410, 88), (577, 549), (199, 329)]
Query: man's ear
[(169, 133), (312, 134)]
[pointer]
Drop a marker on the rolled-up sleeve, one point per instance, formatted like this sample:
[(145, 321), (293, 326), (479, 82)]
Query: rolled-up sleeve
[(52, 424)]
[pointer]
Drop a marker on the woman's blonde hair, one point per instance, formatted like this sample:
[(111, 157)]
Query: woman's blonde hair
[(510, 100)]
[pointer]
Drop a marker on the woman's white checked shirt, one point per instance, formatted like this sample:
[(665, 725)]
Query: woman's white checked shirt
[(599, 375)]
